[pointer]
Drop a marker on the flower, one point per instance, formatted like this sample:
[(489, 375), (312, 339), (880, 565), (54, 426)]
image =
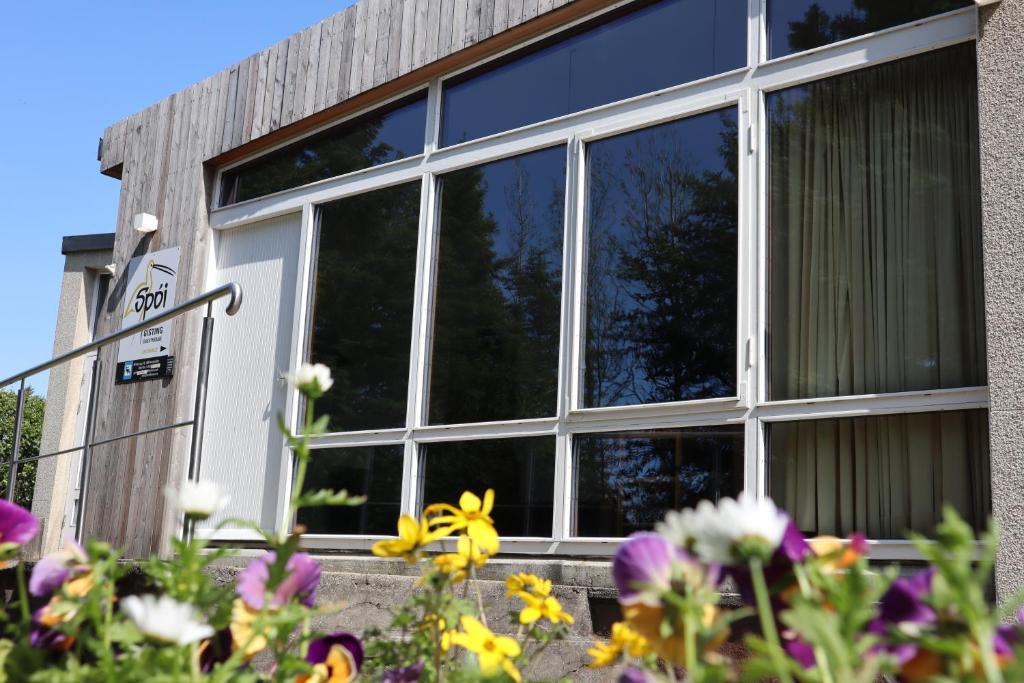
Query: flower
[(312, 379), (54, 569), (302, 574), (243, 635), (903, 608), (623, 640), (413, 536), (17, 527), (738, 530), (494, 652), (405, 674), (336, 658), (543, 608), (198, 499), (680, 527), (522, 584), (837, 554), (634, 674), (472, 516), (455, 564), (643, 568), (165, 619)]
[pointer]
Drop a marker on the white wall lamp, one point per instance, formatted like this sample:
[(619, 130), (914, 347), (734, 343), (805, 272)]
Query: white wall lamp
[(145, 222)]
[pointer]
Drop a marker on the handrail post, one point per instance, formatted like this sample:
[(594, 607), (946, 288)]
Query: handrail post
[(12, 467), (83, 471), (195, 456)]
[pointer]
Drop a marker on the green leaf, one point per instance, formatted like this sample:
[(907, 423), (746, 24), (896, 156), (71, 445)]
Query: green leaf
[(327, 497)]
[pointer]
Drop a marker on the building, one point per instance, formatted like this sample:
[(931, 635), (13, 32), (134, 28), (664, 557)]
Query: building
[(606, 257)]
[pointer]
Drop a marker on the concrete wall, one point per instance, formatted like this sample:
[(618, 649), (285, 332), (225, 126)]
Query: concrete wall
[(63, 393), (1001, 97)]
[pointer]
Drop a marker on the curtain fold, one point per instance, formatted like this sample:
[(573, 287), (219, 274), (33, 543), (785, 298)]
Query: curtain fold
[(876, 287)]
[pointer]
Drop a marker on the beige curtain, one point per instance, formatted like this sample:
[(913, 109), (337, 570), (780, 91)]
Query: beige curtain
[(877, 287)]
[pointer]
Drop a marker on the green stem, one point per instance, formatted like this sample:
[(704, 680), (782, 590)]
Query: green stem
[(476, 586), (989, 664), (302, 458), (767, 617), (820, 657), (26, 615), (690, 634)]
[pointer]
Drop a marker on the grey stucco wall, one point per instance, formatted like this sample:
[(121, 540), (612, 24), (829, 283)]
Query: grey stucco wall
[(63, 394), (1001, 120)]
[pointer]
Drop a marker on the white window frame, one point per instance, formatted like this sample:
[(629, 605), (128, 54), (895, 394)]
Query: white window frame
[(744, 89)]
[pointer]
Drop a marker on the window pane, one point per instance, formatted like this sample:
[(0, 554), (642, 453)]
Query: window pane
[(373, 471), (627, 481), (362, 323), (499, 288), (661, 302), (875, 222), (390, 133), (797, 25), (659, 45), (882, 475), (521, 472)]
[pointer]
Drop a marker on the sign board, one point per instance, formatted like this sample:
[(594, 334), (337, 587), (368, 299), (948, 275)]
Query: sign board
[(150, 292)]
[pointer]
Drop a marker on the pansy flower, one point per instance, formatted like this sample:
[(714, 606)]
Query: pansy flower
[(56, 568), (18, 526), (336, 658), (404, 674), (302, 574)]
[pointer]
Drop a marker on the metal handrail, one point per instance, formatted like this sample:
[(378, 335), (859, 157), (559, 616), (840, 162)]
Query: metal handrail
[(231, 289)]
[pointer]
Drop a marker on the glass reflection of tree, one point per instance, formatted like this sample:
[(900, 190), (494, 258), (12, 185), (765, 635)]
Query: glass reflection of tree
[(819, 28), (661, 273), (495, 353), (363, 314), (319, 157)]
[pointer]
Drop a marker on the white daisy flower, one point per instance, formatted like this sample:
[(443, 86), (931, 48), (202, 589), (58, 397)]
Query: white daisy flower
[(680, 527), (312, 379), (737, 529), (199, 499), (165, 619)]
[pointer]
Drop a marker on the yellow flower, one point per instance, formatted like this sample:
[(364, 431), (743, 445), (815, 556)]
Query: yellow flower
[(646, 622), (624, 640), (543, 608), (527, 584), (456, 564), (494, 652), (412, 537), (339, 667), (472, 516), (242, 633)]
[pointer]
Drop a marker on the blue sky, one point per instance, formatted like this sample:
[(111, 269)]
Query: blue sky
[(69, 70)]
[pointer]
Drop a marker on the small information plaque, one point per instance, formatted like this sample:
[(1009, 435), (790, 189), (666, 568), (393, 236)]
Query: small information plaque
[(147, 368)]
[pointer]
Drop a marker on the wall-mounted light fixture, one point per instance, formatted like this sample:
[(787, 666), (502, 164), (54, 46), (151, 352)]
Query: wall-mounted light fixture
[(145, 222)]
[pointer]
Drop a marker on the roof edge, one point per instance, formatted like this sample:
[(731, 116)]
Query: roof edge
[(100, 241)]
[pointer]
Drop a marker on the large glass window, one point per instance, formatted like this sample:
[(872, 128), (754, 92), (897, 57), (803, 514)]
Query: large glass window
[(659, 45), (876, 281), (881, 475), (628, 480), (362, 318), (521, 472), (499, 290), (383, 135), (662, 221), (797, 25), (373, 471)]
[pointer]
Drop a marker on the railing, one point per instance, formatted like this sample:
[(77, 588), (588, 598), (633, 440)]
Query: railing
[(231, 290)]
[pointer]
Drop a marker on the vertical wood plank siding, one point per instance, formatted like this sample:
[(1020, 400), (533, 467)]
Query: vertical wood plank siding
[(161, 155)]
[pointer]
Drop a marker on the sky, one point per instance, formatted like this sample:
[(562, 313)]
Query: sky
[(69, 70)]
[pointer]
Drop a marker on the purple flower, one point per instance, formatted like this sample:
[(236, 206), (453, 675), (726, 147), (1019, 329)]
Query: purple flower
[(302, 574), (1009, 635), (633, 674), (642, 568), (43, 636), (779, 571), (17, 525), (903, 602), (54, 569), (405, 674), (802, 652), (337, 657)]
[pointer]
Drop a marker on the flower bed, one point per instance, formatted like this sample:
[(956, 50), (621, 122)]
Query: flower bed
[(823, 614)]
